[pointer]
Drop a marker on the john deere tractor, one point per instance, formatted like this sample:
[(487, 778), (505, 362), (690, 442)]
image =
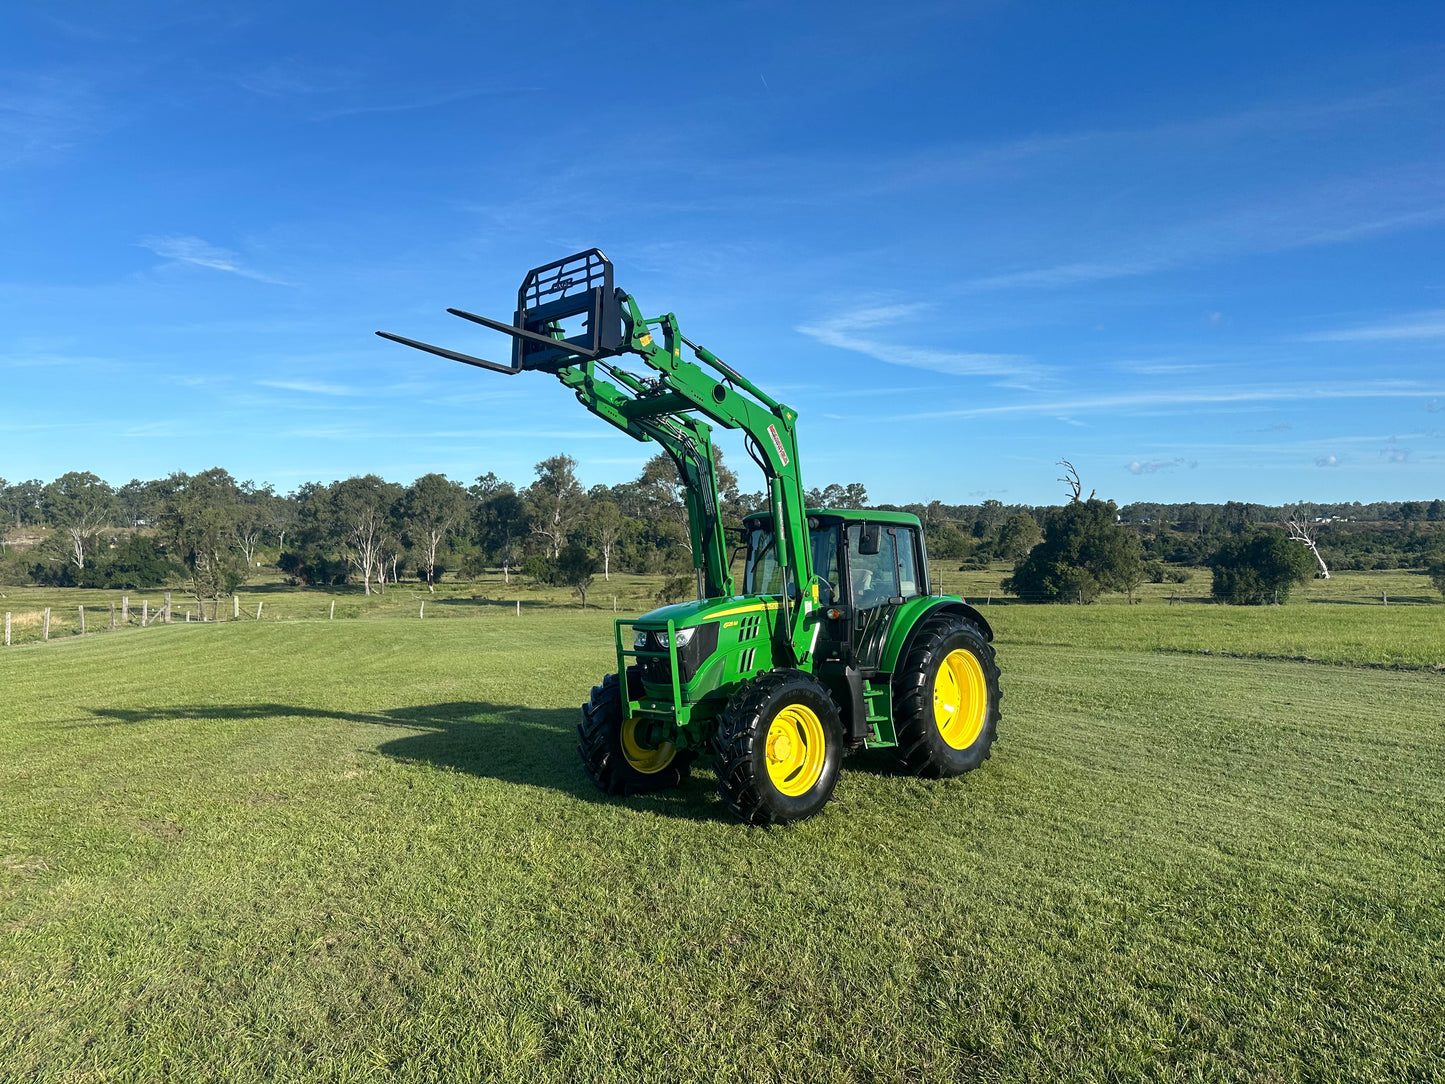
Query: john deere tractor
[(833, 642)]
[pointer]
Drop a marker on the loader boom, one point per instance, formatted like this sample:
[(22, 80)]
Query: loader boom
[(674, 407)]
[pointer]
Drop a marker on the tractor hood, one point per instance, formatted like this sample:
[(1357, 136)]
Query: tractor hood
[(697, 612)]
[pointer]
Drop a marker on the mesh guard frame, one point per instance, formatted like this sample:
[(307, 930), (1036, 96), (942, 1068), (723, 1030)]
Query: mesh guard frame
[(578, 285)]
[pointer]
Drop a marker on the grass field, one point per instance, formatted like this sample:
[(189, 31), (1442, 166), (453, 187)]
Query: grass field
[(360, 850)]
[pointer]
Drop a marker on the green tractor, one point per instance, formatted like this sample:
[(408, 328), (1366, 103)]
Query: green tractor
[(835, 641)]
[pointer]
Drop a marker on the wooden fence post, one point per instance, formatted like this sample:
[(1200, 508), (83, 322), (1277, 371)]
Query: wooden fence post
[(45, 635), (7, 628), (333, 611), (112, 615), (145, 612), (168, 607), (236, 607), (125, 610), (258, 609), (82, 620), (423, 609), (519, 607)]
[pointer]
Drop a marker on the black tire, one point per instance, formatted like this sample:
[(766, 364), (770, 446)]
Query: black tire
[(600, 745), (744, 748), (922, 745)]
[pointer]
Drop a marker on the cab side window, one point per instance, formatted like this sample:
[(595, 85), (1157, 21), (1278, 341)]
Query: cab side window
[(873, 576), (909, 585)]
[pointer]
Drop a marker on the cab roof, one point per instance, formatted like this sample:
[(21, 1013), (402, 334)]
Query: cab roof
[(850, 515)]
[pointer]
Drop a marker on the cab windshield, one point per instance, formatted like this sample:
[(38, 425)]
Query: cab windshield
[(763, 574)]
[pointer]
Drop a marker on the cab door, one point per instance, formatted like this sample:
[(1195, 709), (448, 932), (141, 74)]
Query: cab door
[(882, 574)]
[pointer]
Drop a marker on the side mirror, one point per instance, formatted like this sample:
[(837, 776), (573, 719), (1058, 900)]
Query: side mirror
[(870, 539)]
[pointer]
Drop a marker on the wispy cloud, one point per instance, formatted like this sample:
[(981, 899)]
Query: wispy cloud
[(40, 117), (44, 359), (184, 249), (1421, 325), (844, 332), (1157, 368), (1327, 461), (1157, 465), (343, 92), (420, 101), (311, 387), (1322, 214), (1192, 397), (1392, 452)]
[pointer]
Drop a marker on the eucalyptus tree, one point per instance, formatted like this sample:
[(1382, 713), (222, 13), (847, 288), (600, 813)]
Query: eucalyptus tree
[(555, 502), (606, 525), (359, 512), (197, 519), (499, 519), (252, 518), (80, 504), (432, 508)]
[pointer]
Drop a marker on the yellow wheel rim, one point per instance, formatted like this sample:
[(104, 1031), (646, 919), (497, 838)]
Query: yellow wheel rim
[(796, 749), (643, 758), (960, 698)]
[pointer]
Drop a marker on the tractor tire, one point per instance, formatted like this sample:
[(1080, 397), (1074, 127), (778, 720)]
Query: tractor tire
[(614, 761), (779, 748), (946, 699)]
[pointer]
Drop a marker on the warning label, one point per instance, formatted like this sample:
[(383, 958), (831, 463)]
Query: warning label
[(778, 444)]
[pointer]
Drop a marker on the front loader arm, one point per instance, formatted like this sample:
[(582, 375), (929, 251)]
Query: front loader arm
[(668, 406)]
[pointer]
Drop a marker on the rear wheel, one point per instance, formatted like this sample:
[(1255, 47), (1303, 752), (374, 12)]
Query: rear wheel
[(779, 748), (946, 699), (614, 751)]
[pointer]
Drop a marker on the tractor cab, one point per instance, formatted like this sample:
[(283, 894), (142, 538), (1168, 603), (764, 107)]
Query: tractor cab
[(869, 565)]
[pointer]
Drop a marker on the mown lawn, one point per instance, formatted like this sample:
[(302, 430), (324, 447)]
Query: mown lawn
[(365, 850)]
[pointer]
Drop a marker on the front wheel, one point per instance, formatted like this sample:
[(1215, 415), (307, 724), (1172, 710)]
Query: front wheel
[(779, 748), (612, 750), (946, 699)]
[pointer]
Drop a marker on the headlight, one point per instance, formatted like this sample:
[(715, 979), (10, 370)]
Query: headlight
[(639, 638), (684, 637)]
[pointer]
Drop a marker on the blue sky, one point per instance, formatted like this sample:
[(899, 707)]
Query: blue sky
[(1198, 249)]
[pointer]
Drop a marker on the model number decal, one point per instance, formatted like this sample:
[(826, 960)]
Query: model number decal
[(778, 444)]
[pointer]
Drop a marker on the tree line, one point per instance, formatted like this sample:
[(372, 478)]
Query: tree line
[(213, 532)]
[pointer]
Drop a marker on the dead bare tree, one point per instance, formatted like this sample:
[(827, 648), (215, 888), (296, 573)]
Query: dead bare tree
[(1301, 530), (1071, 479)]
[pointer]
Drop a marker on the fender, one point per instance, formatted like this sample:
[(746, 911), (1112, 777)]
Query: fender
[(910, 618)]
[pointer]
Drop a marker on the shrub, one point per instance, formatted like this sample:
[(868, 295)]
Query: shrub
[(1254, 569), (472, 565), (576, 568), (312, 568), (1083, 554), (540, 569), (134, 562), (675, 589), (1436, 571)]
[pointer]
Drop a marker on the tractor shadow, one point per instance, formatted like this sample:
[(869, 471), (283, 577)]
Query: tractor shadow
[(534, 747)]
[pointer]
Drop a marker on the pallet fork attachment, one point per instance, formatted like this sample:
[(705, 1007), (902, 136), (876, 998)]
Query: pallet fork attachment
[(579, 285)]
